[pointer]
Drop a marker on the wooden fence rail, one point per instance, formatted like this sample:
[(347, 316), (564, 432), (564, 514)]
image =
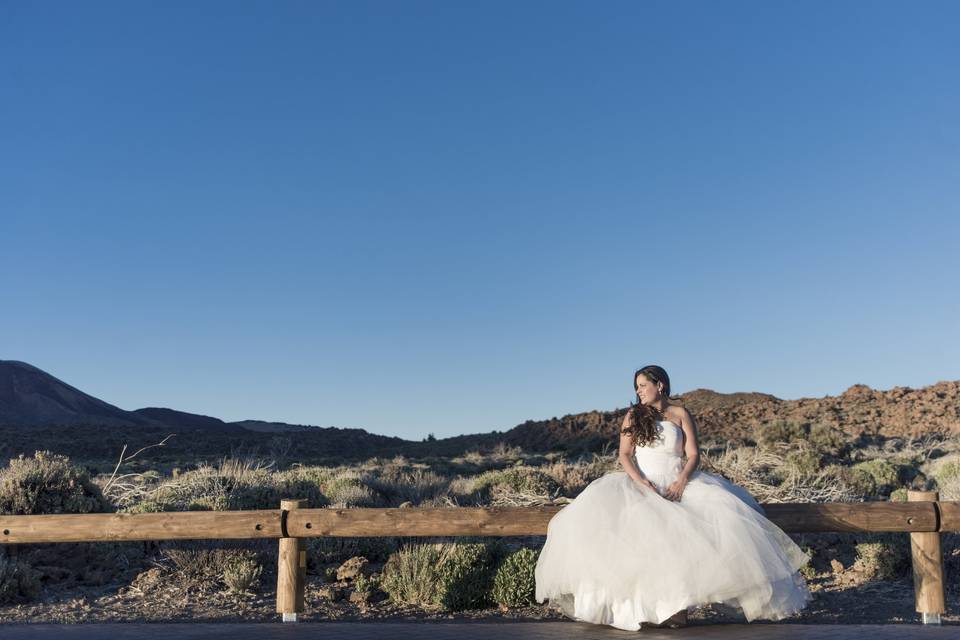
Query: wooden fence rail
[(923, 517)]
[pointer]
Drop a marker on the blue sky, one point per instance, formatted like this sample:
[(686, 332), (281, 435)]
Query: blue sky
[(452, 217)]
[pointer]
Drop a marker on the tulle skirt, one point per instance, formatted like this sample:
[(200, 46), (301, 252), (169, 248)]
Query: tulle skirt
[(621, 554)]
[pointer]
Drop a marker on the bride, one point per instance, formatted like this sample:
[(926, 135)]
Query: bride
[(647, 543)]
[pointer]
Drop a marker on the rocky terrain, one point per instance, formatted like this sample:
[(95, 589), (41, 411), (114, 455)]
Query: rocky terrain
[(859, 411)]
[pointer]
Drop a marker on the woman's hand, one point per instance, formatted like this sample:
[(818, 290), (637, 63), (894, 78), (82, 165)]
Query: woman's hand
[(646, 483), (675, 490)]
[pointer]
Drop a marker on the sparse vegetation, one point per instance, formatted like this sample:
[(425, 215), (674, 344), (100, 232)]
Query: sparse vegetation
[(514, 584), (47, 483), (241, 571), (792, 463)]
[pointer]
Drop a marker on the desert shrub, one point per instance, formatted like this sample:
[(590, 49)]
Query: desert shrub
[(199, 567), (466, 575), (148, 506), (241, 571), (884, 559), (345, 492), (875, 477), (48, 483), (399, 483), (768, 435), (767, 476), (451, 576), (364, 584), (508, 484), (232, 485), (514, 584), (828, 440), (803, 462), (411, 574), (574, 477), (18, 581), (946, 472)]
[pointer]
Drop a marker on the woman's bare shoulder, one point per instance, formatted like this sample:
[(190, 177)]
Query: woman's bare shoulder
[(677, 414)]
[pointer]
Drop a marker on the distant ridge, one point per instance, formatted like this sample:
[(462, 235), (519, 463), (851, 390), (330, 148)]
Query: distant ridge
[(32, 397), (182, 418)]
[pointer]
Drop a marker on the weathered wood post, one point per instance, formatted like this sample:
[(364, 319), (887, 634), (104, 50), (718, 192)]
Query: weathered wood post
[(291, 567), (927, 566)]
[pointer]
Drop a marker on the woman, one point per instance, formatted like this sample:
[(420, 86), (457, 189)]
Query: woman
[(647, 543)]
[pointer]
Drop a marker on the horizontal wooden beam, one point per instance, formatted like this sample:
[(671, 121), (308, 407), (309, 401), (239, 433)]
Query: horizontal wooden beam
[(506, 521), (425, 521), (853, 516), (100, 527), (949, 516), (441, 521)]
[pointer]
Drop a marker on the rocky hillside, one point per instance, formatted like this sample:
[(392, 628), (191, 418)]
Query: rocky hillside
[(860, 410)]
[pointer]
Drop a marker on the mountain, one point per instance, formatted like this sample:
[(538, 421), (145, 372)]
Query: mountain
[(31, 397), (859, 411)]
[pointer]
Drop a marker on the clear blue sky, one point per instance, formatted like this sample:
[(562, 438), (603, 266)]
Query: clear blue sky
[(452, 217)]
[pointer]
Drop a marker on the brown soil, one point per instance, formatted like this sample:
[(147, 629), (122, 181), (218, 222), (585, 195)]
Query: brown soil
[(838, 599)]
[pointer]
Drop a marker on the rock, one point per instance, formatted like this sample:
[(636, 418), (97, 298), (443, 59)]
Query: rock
[(360, 597), (836, 565), (353, 567), (332, 594)]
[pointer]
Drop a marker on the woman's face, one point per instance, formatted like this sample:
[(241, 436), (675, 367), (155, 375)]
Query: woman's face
[(646, 389)]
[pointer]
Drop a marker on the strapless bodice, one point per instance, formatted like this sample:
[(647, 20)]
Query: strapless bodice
[(660, 461), (669, 441)]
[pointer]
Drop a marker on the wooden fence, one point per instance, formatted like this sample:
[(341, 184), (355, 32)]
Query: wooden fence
[(923, 517)]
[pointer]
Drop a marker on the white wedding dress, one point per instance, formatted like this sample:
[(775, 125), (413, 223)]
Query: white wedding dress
[(621, 554)]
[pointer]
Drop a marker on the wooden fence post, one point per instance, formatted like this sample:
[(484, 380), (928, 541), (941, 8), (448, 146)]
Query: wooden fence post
[(291, 567), (927, 566)]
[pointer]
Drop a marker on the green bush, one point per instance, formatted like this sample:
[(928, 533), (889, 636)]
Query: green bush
[(875, 477), (451, 576), (828, 440), (18, 581), (364, 584), (48, 483), (787, 431), (803, 462), (512, 481), (514, 584), (466, 575), (411, 574), (947, 472)]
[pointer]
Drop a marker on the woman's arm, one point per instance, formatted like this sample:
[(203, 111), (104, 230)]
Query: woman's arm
[(626, 455), (692, 450)]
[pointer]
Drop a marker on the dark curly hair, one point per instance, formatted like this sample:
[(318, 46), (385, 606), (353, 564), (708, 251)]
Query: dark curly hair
[(642, 418)]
